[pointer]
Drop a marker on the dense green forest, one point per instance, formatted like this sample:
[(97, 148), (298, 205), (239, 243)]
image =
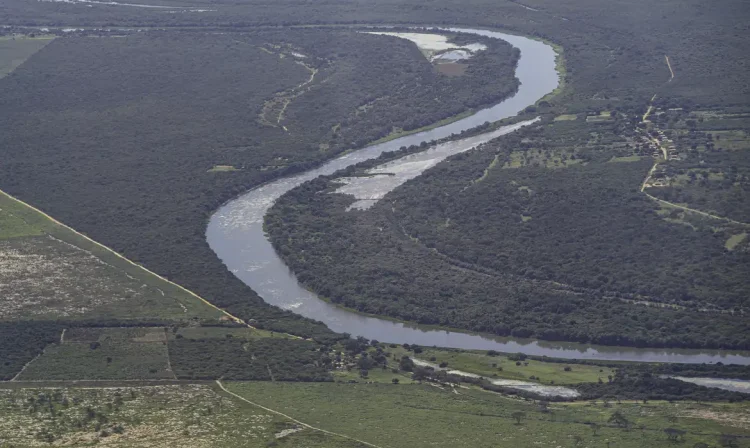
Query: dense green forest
[(647, 387), (614, 51), (21, 342), (120, 137), (537, 234)]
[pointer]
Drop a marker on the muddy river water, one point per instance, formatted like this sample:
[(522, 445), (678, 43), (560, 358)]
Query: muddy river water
[(235, 233)]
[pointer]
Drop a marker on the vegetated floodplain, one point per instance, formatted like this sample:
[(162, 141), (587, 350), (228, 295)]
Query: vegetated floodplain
[(512, 367), (387, 414), (529, 236), (192, 415)]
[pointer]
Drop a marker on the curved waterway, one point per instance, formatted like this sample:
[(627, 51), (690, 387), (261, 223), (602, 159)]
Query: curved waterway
[(235, 233)]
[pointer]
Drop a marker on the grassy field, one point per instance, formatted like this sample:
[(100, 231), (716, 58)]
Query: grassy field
[(386, 415), (52, 272), (503, 367), (734, 240), (625, 159), (176, 415), (104, 354), (14, 50), (12, 225), (426, 416), (566, 117), (376, 375)]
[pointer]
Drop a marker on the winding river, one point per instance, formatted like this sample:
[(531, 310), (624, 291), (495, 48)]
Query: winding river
[(235, 233)]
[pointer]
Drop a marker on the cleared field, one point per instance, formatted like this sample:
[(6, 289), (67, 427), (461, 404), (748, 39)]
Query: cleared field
[(104, 354), (177, 415), (46, 278), (566, 117), (15, 50), (48, 271), (426, 416), (505, 367)]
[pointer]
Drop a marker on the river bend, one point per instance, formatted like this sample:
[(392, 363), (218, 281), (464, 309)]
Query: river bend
[(235, 233)]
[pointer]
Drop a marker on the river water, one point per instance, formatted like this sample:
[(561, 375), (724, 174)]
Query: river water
[(235, 233)]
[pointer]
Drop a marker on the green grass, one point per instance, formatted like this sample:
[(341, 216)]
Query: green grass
[(560, 68), (196, 416), (114, 335), (375, 375), (398, 133), (424, 416), (110, 357), (13, 225), (625, 159), (138, 293), (16, 49), (734, 240), (482, 364), (603, 116), (222, 168), (387, 415), (566, 117)]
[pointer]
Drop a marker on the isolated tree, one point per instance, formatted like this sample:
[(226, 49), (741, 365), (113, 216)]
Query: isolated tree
[(394, 381), (518, 416), (673, 434), (594, 427), (577, 440), (406, 364), (619, 419), (728, 440), (421, 373)]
